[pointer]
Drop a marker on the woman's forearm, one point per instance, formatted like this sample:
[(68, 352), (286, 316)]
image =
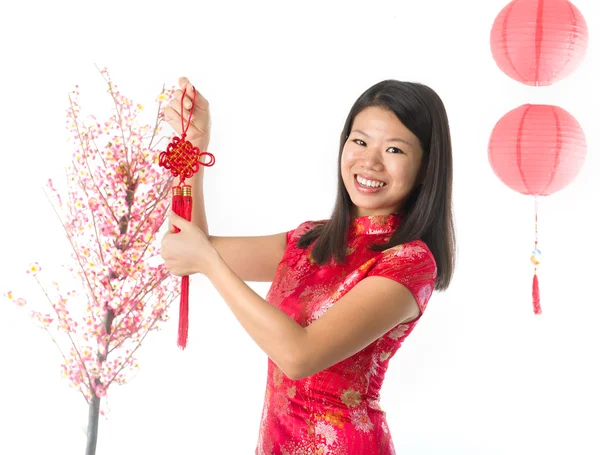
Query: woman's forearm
[(278, 335)]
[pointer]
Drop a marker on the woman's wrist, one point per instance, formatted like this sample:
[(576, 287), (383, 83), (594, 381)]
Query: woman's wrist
[(217, 268)]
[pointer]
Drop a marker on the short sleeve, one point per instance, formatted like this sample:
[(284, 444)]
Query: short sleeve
[(289, 236), (293, 235), (411, 265)]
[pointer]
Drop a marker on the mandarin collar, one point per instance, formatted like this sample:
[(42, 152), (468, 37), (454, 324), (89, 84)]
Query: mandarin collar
[(375, 224)]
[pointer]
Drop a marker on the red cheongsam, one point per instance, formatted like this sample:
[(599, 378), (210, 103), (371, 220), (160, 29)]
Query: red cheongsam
[(337, 411)]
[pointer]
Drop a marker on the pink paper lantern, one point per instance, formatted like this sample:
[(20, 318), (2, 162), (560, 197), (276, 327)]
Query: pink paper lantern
[(537, 149), (539, 42)]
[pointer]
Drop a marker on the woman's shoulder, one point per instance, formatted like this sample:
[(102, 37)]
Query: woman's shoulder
[(413, 251), (303, 228)]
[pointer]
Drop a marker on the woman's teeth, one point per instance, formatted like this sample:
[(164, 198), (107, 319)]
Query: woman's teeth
[(369, 183)]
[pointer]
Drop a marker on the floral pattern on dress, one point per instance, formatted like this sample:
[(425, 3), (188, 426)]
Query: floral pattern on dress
[(337, 411)]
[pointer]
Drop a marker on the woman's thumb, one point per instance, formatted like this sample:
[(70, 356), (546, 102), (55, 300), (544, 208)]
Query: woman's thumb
[(183, 82)]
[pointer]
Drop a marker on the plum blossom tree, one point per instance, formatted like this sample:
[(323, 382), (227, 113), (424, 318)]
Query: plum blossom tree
[(115, 202)]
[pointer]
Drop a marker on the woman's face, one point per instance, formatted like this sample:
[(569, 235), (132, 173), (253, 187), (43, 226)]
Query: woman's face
[(380, 162)]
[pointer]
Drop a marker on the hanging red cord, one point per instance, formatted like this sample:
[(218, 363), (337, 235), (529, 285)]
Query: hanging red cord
[(535, 259), (183, 160)]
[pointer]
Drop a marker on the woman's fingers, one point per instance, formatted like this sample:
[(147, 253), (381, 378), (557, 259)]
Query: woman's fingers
[(198, 117), (173, 118), (183, 82), (186, 85), (176, 103), (201, 102), (187, 100)]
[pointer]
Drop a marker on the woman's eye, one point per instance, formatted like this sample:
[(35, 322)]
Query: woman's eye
[(359, 142), (395, 150)]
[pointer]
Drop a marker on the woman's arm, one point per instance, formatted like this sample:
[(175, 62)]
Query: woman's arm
[(252, 258), (369, 310)]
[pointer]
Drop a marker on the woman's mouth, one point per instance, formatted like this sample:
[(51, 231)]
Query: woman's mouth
[(368, 186)]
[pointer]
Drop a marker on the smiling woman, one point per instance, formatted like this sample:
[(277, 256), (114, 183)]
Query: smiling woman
[(378, 174), (347, 291)]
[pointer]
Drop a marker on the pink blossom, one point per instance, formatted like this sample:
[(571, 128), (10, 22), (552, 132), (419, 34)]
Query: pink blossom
[(34, 268), (114, 204)]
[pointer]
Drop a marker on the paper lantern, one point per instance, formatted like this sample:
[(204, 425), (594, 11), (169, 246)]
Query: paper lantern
[(537, 149), (539, 42)]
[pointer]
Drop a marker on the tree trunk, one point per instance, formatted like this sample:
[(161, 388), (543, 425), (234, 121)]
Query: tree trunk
[(92, 429), (94, 406)]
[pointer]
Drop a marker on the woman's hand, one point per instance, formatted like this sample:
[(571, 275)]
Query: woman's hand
[(188, 251), (199, 131)]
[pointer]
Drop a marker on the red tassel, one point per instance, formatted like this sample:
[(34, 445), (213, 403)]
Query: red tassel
[(537, 308), (178, 207), (186, 213), (182, 334), (187, 202), (177, 203)]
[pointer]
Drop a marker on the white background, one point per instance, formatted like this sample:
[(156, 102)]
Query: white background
[(480, 375)]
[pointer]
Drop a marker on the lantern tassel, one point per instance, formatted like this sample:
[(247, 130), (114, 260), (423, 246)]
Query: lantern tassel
[(535, 259), (537, 309)]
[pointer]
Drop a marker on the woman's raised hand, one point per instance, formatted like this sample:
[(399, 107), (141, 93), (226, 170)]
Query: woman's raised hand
[(198, 132)]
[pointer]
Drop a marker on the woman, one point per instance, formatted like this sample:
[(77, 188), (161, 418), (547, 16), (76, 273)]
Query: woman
[(346, 292)]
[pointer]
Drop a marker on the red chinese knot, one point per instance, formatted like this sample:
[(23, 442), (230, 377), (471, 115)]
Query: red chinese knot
[(183, 159)]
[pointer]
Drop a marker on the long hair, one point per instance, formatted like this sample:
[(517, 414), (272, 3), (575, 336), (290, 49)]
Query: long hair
[(427, 213)]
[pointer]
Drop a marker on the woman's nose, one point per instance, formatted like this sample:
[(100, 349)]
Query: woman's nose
[(371, 159)]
